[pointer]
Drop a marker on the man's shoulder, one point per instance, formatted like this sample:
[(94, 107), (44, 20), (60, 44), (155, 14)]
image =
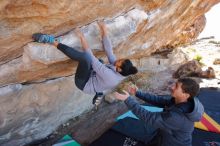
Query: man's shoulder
[(173, 116)]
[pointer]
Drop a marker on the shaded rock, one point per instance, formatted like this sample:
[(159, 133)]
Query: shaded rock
[(216, 61), (208, 73), (189, 69), (193, 69)]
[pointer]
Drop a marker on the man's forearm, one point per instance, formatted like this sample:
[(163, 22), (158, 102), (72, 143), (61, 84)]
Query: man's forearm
[(104, 33), (139, 111), (108, 50), (160, 101)]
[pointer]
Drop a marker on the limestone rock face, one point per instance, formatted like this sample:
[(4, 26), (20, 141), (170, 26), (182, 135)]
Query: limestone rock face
[(37, 80)]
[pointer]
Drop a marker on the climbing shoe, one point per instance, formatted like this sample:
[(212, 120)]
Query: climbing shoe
[(43, 38), (97, 99)]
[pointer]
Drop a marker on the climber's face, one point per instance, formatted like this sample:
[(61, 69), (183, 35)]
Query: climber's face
[(118, 64)]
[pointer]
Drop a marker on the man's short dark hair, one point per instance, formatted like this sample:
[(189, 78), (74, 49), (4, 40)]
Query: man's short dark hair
[(189, 86), (127, 68)]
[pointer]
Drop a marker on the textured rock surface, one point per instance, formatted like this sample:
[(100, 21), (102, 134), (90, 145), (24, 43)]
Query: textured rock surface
[(31, 112), (137, 28), (146, 24), (21, 18)]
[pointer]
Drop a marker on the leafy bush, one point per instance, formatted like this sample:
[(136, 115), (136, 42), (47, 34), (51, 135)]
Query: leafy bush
[(198, 58)]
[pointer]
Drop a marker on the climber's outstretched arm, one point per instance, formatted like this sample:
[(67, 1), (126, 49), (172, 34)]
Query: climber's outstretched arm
[(103, 29), (107, 43)]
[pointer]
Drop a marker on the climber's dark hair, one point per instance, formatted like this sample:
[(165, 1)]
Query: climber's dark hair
[(127, 68)]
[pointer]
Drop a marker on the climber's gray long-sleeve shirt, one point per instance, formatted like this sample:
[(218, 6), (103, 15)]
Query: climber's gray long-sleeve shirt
[(106, 77)]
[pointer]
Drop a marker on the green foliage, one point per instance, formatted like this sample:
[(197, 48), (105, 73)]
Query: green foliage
[(198, 58)]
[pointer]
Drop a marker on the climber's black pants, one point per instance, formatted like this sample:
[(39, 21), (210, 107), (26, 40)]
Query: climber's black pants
[(84, 67)]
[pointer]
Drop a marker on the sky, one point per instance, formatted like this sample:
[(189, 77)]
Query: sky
[(212, 27)]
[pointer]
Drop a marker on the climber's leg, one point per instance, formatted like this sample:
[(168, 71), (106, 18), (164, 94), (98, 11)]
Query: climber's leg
[(84, 67)]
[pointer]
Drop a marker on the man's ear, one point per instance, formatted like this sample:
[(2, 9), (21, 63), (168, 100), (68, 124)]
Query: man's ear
[(187, 95)]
